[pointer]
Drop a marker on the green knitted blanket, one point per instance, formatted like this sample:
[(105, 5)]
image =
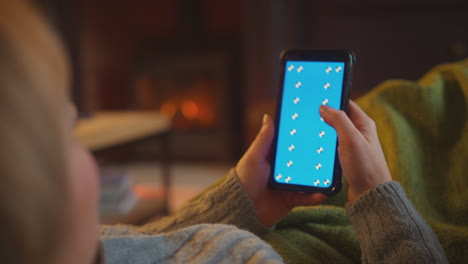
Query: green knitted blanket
[(423, 128)]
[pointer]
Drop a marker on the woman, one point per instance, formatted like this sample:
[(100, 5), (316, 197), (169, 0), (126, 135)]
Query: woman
[(49, 190)]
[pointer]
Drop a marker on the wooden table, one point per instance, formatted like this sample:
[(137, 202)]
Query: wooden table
[(108, 131)]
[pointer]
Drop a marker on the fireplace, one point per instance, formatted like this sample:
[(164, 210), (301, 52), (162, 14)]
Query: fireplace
[(195, 90)]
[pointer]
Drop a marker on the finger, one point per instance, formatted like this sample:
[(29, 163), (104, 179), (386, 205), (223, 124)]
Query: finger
[(361, 120), (338, 120), (356, 114), (262, 143)]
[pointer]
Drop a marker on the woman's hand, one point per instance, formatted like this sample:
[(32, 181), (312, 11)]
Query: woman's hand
[(361, 155), (253, 170)]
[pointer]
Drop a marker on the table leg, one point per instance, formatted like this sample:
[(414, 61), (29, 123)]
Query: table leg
[(165, 171)]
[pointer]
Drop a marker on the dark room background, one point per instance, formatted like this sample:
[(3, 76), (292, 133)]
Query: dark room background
[(212, 66)]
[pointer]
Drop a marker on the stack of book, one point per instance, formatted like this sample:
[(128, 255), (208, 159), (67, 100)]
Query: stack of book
[(117, 196)]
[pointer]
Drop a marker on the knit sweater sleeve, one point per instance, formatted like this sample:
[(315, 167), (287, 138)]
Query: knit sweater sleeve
[(225, 203), (206, 243), (191, 235), (390, 229)]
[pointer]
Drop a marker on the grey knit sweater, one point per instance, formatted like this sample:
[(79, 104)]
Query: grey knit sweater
[(219, 227)]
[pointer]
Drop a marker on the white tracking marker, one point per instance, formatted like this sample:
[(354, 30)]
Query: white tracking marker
[(300, 68), (291, 67), (294, 116), (288, 179), (318, 166), (325, 101), (326, 86), (338, 69), (291, 148), (298, 84), (326, 182), (296, 100), (329, 69), (293, 132), (320, 150), (278, 177), (316, 182), (289, 164), (321, 134)]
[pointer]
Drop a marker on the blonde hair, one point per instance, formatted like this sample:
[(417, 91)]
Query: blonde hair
[(33, 183)]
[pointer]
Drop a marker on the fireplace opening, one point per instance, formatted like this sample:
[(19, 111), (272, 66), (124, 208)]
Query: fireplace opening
[(190, 102), (195, 90)]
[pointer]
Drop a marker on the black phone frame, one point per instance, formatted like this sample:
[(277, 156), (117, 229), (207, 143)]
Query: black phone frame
[(349, 59)]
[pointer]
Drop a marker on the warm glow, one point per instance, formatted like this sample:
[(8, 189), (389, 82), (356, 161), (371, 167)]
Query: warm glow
[(146, 192), (207, 116), (168, 109), (190, 109)]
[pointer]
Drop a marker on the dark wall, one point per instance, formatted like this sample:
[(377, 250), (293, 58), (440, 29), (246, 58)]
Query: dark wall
[(392, 39)]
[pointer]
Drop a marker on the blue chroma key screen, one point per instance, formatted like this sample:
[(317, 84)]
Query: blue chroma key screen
[(306, 146)]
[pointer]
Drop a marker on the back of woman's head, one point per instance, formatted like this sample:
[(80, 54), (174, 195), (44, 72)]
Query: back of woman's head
[(33, 182)]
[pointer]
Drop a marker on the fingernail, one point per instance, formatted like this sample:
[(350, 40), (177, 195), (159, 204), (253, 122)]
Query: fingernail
[(264, 120), (324, 108)]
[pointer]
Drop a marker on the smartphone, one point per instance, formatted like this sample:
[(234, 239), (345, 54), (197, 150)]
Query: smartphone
[(304, 154)]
